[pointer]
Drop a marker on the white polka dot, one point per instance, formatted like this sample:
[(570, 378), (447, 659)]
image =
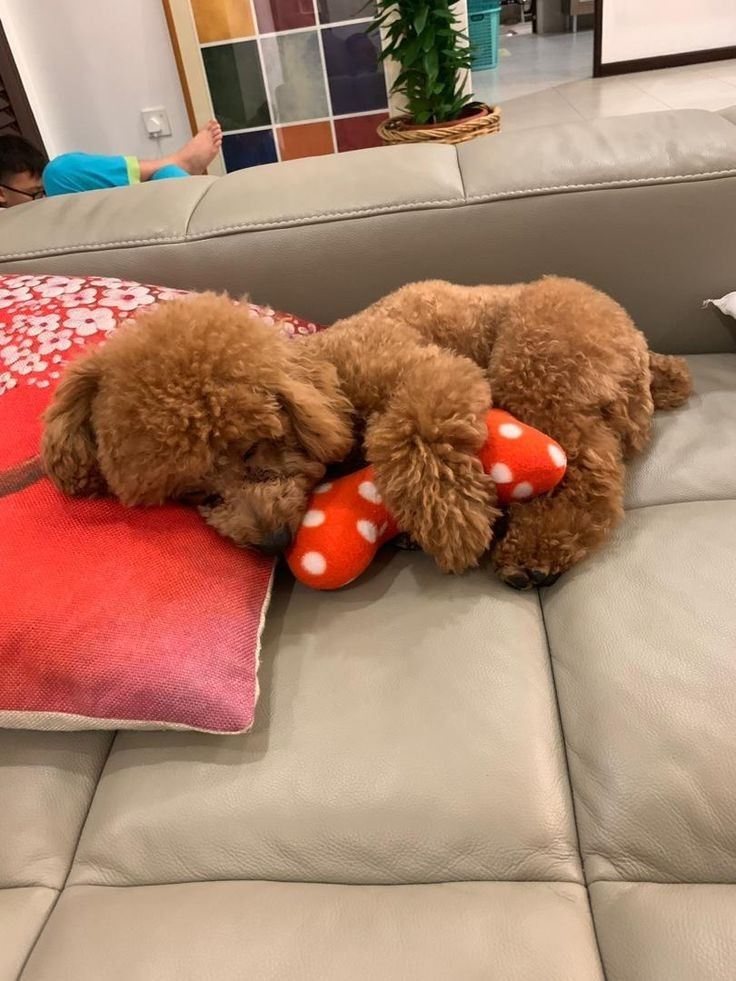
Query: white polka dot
[(522, 490), (501, 474), (368, 491), (556, 455), (368, 530), (313, 519), (509, 430), (323, 488), (314, 563)]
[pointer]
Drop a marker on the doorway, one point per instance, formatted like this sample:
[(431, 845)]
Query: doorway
[(16, 115), (542, 44)]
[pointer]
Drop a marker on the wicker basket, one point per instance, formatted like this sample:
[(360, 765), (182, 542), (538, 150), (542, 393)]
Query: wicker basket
[(481, 120)]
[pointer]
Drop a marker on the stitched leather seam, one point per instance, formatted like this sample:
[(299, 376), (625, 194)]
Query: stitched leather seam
[(674, 504), (557, 705), (474, 199), (193, 211), (338, 884), (376, 885), (60, 892), (360, 212)]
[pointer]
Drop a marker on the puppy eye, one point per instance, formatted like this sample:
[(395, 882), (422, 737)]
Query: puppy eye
[(248, 454)]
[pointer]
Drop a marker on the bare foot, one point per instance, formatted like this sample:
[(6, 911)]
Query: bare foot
[(196, 155)]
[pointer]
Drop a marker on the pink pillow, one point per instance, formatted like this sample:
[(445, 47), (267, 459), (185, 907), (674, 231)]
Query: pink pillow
[(110, 617)]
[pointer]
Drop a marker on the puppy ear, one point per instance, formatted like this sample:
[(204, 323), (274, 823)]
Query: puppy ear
[(319, 412), (68, 448)]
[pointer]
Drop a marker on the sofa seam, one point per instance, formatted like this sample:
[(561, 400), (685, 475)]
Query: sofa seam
[(460, 173), (195, 208), (42, 925), (677, 504), (26, 885), (323, 882), (658, 882), (62, 888), (410, 206), (573, 806), (585, 886)]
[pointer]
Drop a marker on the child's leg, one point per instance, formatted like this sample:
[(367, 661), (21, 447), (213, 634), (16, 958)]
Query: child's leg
[(169, 170), (72, 172)]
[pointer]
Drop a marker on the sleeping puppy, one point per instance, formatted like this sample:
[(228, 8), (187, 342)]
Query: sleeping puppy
[(200, 401)]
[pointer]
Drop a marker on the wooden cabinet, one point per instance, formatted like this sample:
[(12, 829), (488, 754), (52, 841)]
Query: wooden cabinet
[(579, 8)]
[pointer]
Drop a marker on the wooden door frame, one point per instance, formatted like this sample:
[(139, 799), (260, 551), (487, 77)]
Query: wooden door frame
[(601, 70), (17, 94)]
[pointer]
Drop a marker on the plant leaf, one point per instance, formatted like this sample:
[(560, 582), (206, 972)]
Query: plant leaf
[(420, 20)]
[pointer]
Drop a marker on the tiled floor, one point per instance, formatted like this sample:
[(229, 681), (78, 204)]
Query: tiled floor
[(547, 79)]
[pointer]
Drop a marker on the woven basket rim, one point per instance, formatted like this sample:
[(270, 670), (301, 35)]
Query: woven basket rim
[(401, 121), (396, 130)]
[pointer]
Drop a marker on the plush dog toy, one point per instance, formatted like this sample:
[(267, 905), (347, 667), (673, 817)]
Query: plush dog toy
[(347, 521)]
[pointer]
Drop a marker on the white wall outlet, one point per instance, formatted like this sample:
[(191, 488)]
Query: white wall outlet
[(157, 122)]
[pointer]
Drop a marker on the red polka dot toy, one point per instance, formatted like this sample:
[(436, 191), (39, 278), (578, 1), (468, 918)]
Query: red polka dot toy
[(347, 521), (522, 462)]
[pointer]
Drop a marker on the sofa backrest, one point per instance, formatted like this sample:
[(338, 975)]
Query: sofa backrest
[(643, 207)]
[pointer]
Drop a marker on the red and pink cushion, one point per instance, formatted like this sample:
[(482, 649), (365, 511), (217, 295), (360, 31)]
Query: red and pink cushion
[(110, 617)]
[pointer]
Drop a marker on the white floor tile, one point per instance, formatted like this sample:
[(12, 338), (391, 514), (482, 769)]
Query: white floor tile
[(725, 70), (694, 91), (548, 78), (539, 109), (532, 63), (594, 98)]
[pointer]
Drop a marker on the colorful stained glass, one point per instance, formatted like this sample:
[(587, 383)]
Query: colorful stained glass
[(236, 85), (355, 74), (283, 15), (307, 82), (223, 20), (293, 67), (305, 140), (249, 149), (335, 11), (358, 132)]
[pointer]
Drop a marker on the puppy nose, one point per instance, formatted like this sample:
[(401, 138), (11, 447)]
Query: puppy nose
[(277, 542)]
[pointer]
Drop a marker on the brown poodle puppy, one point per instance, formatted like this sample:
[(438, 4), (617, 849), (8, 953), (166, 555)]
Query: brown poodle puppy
[(200, 401), (421, 367)]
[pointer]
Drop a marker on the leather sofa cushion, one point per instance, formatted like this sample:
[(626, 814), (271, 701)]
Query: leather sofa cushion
[(430, 758)]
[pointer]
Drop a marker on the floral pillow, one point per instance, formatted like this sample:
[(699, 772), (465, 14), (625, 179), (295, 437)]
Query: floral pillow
[(112, 617)]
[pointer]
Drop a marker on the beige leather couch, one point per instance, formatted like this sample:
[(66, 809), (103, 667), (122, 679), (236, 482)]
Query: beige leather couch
[(447, 779)]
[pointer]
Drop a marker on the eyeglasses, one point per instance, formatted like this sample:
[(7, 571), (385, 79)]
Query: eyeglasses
[(33, 195)]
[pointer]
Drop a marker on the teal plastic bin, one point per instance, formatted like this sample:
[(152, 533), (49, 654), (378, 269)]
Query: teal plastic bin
[(484, 26)]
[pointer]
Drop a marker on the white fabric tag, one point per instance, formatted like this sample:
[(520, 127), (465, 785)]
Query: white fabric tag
[(726, 304)]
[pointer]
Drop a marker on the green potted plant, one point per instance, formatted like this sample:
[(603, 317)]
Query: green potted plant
[(434, 58)]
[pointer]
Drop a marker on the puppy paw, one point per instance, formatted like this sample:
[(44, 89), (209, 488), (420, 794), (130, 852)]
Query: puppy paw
[(528, 566), (405, 543), (522, 578), (454, 524), (528, 556)]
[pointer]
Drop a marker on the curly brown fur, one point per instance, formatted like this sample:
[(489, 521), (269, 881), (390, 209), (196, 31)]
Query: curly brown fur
[(558, 354), (201, 401)]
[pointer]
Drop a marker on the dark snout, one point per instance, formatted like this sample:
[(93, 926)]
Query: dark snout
[(276, 541)]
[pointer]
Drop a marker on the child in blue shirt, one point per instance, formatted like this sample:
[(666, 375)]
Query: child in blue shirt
[(23, 176)]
